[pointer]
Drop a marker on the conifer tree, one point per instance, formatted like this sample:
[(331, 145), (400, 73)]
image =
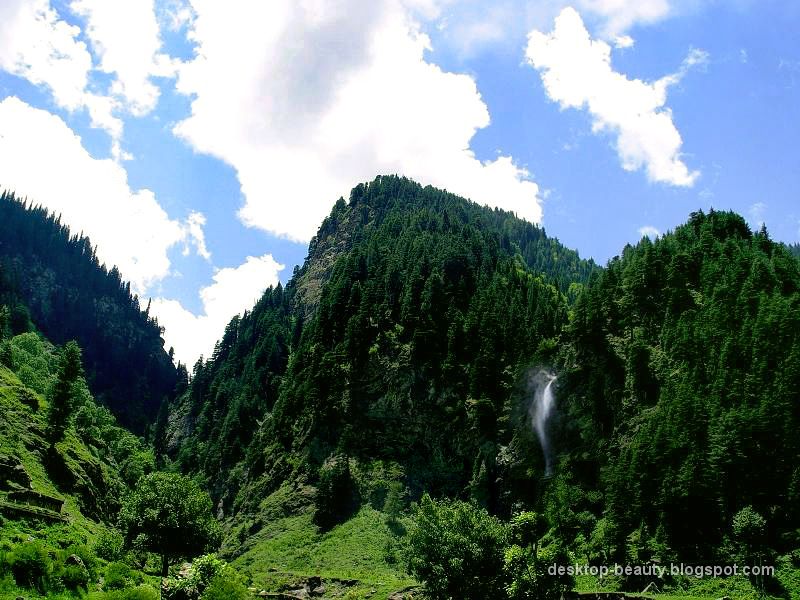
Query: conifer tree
[(62, 395)]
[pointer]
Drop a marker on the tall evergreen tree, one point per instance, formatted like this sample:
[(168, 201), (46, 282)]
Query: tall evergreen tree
[(62, 395)]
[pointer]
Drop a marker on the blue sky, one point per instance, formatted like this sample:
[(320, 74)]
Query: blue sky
[(200, 145)]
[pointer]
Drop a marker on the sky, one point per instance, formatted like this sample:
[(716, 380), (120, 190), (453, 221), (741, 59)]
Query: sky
[(200, 143)]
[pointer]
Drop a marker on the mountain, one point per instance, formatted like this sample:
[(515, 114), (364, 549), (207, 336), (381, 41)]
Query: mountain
[(53, 277), (681, 375), (406, 354), (400, 344), (412, 354)]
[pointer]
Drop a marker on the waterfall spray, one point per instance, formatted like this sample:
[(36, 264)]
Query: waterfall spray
[(541, 409)]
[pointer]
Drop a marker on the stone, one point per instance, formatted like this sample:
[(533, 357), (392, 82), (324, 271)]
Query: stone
[(74, 559)]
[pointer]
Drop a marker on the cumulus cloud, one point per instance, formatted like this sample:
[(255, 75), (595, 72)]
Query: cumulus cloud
[(52, 168), (620, 15), (322, 96), (576, 72), (126, 41), (234, 290), (40, 46), (649, 231), (37, 45)]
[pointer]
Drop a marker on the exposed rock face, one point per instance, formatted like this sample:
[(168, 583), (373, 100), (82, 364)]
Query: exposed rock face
[(12, 474)]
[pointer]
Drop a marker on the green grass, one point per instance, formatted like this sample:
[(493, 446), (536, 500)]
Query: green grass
[(20, 430), (291, 548)]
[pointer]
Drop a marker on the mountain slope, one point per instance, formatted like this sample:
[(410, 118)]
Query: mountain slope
[(400, 342), (682, 395), (55, 277)]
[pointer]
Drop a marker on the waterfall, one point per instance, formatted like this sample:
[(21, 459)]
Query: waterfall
[(541, 409)]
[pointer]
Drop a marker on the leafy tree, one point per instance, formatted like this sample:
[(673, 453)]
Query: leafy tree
[(457, 549), (170, 515), (63, 394)]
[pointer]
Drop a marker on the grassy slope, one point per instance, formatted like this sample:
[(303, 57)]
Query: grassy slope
[(291, 548), (21, 431)]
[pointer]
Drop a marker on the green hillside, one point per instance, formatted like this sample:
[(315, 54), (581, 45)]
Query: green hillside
[(53, 276)]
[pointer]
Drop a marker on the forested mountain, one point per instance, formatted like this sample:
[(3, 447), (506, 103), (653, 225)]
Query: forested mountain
[(401, 341), (406, 359), (403, 356), (54, 277), (795, 249), (682, 395)]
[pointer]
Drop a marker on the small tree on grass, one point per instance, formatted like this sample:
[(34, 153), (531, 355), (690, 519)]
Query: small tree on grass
[(62, 395), (749, 531), (168, 514), (457, 549)]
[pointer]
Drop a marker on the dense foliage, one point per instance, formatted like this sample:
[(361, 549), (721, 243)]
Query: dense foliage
[(54, 277), (683, 375)]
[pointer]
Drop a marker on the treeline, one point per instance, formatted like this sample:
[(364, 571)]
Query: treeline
[(54, 277)]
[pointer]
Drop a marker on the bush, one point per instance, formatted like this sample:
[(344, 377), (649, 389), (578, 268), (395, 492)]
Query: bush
[(142, 592), (118, 576), (527, 576), (75, 577), (204, 570), (31, 565), (109, 545), (457, 549), (226, 586)]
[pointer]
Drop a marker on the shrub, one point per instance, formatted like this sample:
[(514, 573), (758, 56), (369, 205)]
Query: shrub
[(117, 577), (31, 565), (109, 545), (141, 592), (226, 586), (75, 577), (527, 576)]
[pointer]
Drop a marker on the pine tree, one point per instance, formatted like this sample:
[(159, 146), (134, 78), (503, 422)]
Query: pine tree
[(62, 395)]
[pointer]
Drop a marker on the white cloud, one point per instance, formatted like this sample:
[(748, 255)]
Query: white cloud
[(470, 26), (126, 41), (306, 99), (621, 15), (174, 15), (623, 41), (195, 234), (40, 46), (234, 290), (649, 231), (576, 72), (43, 159), (37, 45)]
